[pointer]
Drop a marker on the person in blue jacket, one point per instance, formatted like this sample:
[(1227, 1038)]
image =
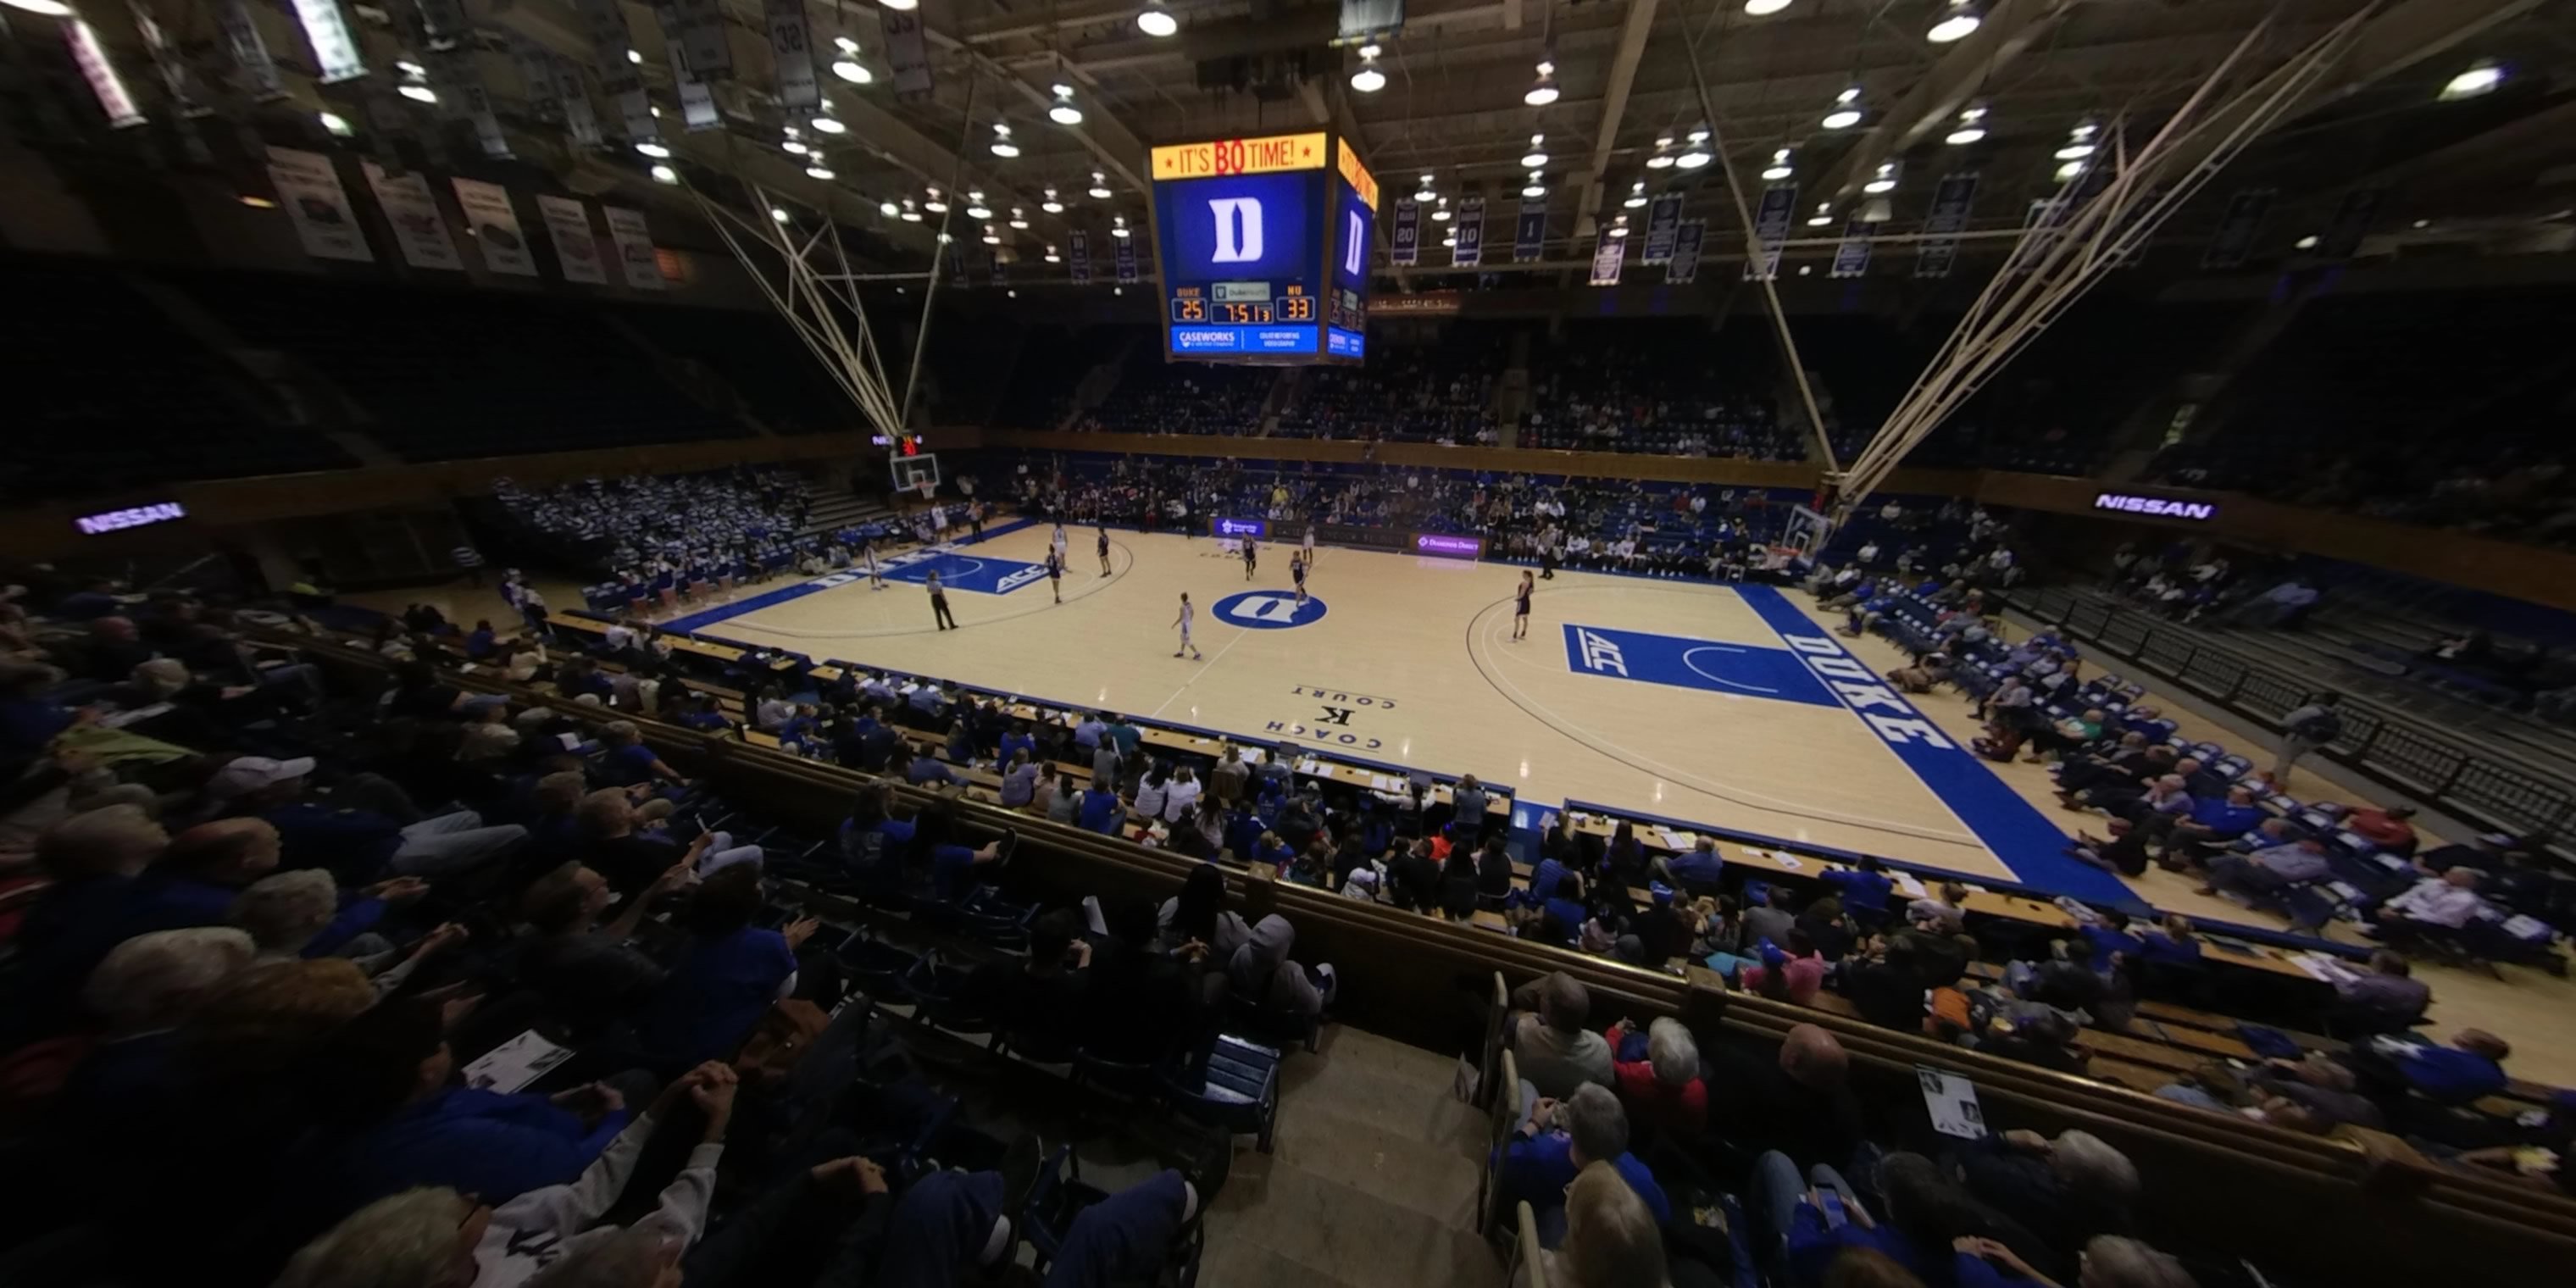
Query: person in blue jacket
[(1553, 1143)]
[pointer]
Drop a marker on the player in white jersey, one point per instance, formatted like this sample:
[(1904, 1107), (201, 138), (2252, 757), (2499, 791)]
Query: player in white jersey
[(1188, 615), (868, 555), (1310, 545), (1063, 548)]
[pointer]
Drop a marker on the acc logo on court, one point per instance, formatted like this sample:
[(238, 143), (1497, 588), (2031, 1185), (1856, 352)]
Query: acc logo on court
[(1268, 610)]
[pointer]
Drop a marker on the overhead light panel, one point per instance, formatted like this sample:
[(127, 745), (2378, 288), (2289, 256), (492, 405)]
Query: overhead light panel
[(332, 122), (1118, 227), (1368, 79), (818, 170), (1156, 21), (657, 151), (1824, 215), (1018, 219), (1636, 195), (1051, 205), (889, 209), (1063, 111), (1697, 154), (1779, 168), (1971, 128), (1537, 155), (1881, 180), (1764, 8), (2481, 77), (1846, 111), (1958, 18), (2308, 242), (829, 125), (1051, 256), (1099, 186), (665, 174), (1543, 90), (779, 214), (1002, 144)]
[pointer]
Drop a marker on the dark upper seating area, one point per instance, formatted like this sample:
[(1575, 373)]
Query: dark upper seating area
[(1658, 387), (114, 395), (1053, 362), (458, 374), (1158, 397), (780, 381), (1434, 393)]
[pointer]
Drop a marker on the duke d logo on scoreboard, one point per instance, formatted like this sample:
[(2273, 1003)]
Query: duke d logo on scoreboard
[(1238, 229)]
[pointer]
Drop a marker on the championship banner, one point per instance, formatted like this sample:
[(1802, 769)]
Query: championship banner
[(1470, 250), (335, 47), (1529, 234), (310, 190), (2236, 228), (907, 52), (461, 79), (1851, 258), (249, 51), (1663, 224), (634, 242), (620, 78), (1606, 259), (574, 98), (1683, 268), (1405, 248), (2351, 219), (576, 246), (1078, 255), (1952, 199), (1771, 219), (494, 223), (1125, 257), (114, 98), (420, 231), (791, 42), (700, 38)]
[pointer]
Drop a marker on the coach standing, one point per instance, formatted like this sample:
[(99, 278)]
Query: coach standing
[(939, 604)]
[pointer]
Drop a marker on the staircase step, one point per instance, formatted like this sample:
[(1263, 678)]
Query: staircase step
[(1339, 1233)]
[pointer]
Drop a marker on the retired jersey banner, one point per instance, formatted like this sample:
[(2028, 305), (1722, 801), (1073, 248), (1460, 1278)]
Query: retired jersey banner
[(1470, 250), (460, 83), (1078, 256), (2237, 228), (958, 274), (178, 79), (1663, 224), (618, 75), (1529, 233), (1405, 246), (791, 44), (494, 223), (1952, 199), (574, 98), (442, 22), (993, 267), (576, 246), (1606, 259), (315, 203), (1771, 219), (249, 51), (701, 38), (907, 52), (633, 239), (99, 69), (1683, 268), (420, 231), (697, 102), (1125, 257), (2039, 226), (537, 76), (1851, 257), (2351, 219), (335, 47)]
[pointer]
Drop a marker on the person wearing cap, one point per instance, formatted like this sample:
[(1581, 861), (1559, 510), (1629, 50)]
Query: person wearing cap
[(358, 845)]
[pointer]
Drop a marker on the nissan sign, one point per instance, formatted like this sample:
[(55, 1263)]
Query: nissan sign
[(2154, 507), (139, 516)]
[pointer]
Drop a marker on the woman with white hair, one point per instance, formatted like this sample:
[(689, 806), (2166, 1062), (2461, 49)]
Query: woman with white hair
[(2107, 1261), (285, 912), (93, 858), (1664, 1088), (142, 991)]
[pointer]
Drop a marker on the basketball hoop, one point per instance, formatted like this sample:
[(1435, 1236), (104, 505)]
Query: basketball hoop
[(925, 487)]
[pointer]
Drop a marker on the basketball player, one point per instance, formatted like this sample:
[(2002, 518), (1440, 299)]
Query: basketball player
[(1310, 545), (1521, 604), (1297, 573), (1251, 555), (876, 575), (1058, 543), (1104, 550), (1188, 615), (1055, 575)]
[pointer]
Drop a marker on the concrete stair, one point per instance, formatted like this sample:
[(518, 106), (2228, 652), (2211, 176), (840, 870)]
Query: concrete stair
[(836, 507), (1372, 1183)]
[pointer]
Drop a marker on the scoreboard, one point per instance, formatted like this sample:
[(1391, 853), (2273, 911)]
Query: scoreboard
[(1264, 247)]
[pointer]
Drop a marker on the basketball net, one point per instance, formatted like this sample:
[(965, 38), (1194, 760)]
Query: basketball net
[(925, 487)]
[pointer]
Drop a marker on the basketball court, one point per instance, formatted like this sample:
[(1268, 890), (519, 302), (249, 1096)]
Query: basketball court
[(1723, 706)]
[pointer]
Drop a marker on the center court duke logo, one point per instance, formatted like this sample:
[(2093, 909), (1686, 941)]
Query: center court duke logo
[(1268, 610)]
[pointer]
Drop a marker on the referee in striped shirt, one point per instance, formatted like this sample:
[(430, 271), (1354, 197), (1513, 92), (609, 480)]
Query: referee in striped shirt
[(471, 560)]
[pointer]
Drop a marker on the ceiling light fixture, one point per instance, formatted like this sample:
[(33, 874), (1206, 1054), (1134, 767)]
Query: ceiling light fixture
[(828, 125), (2308, 242), (1636, 195), (1972, 128), (1537, 155), (935, 204), (794, 148), (1534, 190), (337, 125), (1156, 21), (665, 174), (1051, 256), (1663, 157), (991, 237), (1697, 154), (1883, 180), (634, 56), (778, 213), (657, 151), (254, 202), (1847, 110), (1426, 192), (1764, 8), (1618, 230), (1824, 215), (1368, 79), (1099, 186), (2481, 77), (418, 93), (1542, 91), (818, 170), (409, 68), (1051, 205), (1002, 145), (2079, 142), (899, 6), (1779, 168), (910, 215), (1018, 219), (1063, 112), (2069, 169), (975, 207), (889, 209), (1450, 241), (1957, 19)]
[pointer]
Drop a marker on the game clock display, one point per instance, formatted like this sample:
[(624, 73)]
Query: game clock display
[(1265, 249)]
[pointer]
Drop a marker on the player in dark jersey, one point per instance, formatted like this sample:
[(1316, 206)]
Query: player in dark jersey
[(1297, 572), (1251, 556), (1055, 575), (1521, 605), (1104, 550)]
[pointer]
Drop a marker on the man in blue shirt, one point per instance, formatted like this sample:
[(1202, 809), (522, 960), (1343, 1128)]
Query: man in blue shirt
[(924, 769), (1086, 735), (1556, 1139), (479, 644), (1697, 871), (2214, 821), (1101, 811), (1018, 739), (1864, 889)]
